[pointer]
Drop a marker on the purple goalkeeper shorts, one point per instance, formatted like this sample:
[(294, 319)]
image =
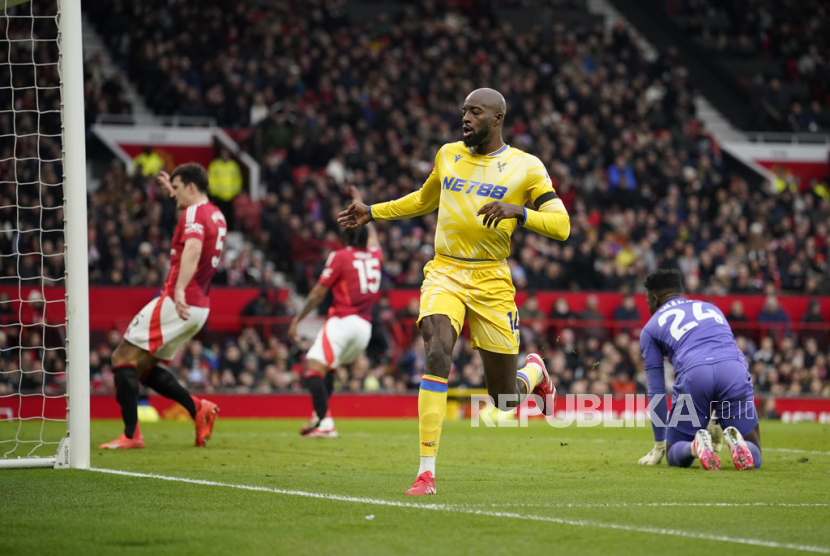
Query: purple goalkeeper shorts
[(724, 387)]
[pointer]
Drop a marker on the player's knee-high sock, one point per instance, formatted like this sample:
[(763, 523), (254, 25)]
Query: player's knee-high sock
[(526, 380), (432, 406), (163, 382), (319, 397), (326, 422), (680, 455), (126, 394), (756, 454)]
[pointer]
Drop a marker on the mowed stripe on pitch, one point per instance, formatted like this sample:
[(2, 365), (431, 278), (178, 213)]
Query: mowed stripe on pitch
[(471, 511)]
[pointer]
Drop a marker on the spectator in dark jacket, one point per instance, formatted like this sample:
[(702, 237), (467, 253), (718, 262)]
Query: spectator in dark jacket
[(627, 311), (259, 306), (813, 319), (591, 313), (773, 314)]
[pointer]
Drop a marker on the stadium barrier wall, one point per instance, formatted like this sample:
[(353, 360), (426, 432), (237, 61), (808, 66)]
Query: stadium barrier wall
[(809, 162), (385, 406)]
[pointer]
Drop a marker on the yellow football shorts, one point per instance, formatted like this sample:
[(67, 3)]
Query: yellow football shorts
[(483, 291)]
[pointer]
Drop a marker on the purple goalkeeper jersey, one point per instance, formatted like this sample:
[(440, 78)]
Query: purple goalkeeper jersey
[(689, 333)]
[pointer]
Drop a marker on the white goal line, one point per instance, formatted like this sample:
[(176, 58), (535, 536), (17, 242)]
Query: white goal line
[(659, 505), (485, 513)]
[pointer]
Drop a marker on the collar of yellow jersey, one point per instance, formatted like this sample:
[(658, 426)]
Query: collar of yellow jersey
[(501, 150)]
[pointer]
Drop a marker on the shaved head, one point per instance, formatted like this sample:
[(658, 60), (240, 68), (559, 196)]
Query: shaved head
[(481, 119), (488, 98)]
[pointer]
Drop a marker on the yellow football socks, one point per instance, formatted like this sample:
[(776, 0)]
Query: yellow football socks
[(530, 375), (432, 406)]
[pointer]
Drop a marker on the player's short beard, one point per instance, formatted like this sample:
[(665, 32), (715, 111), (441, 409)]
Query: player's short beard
[(476, 138)]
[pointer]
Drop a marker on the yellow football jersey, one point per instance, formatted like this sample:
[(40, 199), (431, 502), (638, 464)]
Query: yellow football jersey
[(460, 184)]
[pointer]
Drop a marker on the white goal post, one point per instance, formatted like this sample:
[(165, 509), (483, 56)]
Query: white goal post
[(73, 443)]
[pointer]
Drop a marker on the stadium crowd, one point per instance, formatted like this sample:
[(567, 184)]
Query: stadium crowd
[(102, 94), (642, 180), (784, 42)]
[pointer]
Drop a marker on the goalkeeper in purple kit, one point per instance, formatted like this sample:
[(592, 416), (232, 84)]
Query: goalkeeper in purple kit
[(711, 379)]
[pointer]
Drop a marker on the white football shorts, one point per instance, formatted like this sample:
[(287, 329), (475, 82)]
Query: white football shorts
[(340, 341), (159, 330)]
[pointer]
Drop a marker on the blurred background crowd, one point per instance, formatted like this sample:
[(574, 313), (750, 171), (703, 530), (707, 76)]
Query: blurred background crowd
[(778, 49), (642, 179), (323, 103)]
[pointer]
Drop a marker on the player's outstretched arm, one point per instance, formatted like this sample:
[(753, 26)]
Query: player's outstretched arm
[(315, 297), (187, 269), (417, 203)]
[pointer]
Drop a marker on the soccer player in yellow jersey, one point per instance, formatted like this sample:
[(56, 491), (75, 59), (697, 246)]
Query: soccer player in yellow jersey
[(480, 187)]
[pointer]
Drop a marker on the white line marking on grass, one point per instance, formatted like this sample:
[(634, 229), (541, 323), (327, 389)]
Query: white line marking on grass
[(794, 451), (470, 511), (660, 504)]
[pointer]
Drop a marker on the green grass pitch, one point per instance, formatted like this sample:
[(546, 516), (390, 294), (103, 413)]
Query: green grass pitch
[(538, 490)]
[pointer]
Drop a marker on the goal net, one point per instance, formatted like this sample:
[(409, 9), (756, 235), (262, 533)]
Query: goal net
[(44, 320)]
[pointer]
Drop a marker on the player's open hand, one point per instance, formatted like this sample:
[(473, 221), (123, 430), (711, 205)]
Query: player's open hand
[(182, 308), (355, 216), (656, 454), (496, 211), (163, 180)]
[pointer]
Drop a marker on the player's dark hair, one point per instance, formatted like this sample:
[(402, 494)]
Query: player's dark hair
[(355, 237), (192, 173), (665, 279)]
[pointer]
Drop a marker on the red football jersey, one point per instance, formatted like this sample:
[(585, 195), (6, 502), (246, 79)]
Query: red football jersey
[(204, 222), (353, 275)]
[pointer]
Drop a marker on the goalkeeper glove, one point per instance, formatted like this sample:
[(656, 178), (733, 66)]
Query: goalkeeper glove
[(656, 454)]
